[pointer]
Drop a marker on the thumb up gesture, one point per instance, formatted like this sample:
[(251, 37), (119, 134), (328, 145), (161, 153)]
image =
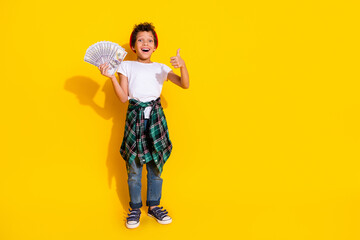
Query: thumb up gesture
[(177, 61)]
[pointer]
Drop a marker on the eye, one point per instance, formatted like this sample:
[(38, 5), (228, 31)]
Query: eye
[(139, 40), (150, 40)]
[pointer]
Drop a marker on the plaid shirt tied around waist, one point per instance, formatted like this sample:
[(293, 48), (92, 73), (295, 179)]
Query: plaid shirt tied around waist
[(157, 146)]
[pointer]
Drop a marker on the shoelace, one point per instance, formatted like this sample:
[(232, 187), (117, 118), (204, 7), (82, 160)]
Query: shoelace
[(134, 215), (159, 213)]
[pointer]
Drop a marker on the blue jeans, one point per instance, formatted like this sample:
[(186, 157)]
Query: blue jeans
[(154, 182)]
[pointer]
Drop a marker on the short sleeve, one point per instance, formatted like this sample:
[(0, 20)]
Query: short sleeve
[(123, 69), (166, 68)]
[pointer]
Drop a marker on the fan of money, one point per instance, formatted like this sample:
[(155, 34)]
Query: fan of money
[(105, 52)]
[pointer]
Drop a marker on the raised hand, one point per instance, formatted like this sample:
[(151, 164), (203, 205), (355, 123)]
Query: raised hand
[(104, 70), (177, 61)]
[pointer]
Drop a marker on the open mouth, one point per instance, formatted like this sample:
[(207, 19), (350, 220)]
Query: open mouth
[(145, 49)]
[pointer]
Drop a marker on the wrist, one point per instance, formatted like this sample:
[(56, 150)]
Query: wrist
[(183, 66)]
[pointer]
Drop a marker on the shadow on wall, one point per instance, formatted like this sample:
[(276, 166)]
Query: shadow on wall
[(85, 90)]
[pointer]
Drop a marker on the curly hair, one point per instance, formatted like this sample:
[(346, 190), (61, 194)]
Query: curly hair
[(147, 27)]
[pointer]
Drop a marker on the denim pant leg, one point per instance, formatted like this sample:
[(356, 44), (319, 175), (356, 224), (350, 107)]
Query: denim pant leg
[(154, 181), (154, 184), (134, 183)]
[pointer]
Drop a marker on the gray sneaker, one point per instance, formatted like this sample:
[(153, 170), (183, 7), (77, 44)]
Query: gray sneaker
[(160, 215), (133, 219)]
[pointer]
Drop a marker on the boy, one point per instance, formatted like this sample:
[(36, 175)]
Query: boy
[(146, 138)]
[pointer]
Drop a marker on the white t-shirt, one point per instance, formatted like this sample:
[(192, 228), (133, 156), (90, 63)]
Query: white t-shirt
[(145, 80)]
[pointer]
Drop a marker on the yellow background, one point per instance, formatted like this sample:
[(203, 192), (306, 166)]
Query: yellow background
[(266, 140)]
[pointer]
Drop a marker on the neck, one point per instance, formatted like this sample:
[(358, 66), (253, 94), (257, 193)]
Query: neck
[(143, 60)]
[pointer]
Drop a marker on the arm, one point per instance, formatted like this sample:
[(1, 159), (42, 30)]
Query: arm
[(182, 81), (121, 89)]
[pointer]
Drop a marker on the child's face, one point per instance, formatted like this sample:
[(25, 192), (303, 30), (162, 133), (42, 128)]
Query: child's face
[(144, 45)]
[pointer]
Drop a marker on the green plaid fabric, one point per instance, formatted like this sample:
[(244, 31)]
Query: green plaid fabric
[(157, 145)]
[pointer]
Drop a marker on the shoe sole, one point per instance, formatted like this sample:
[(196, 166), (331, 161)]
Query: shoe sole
[(159, 221), (131, 226)]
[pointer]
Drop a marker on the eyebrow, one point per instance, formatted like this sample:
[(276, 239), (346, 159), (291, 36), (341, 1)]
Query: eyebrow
[(144, 37)]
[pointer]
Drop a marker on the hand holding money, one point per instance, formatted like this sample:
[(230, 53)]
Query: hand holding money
[(104, 70), (177, 61)]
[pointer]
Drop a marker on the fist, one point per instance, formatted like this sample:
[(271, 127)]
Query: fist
[(177, 61), (104, 70)]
